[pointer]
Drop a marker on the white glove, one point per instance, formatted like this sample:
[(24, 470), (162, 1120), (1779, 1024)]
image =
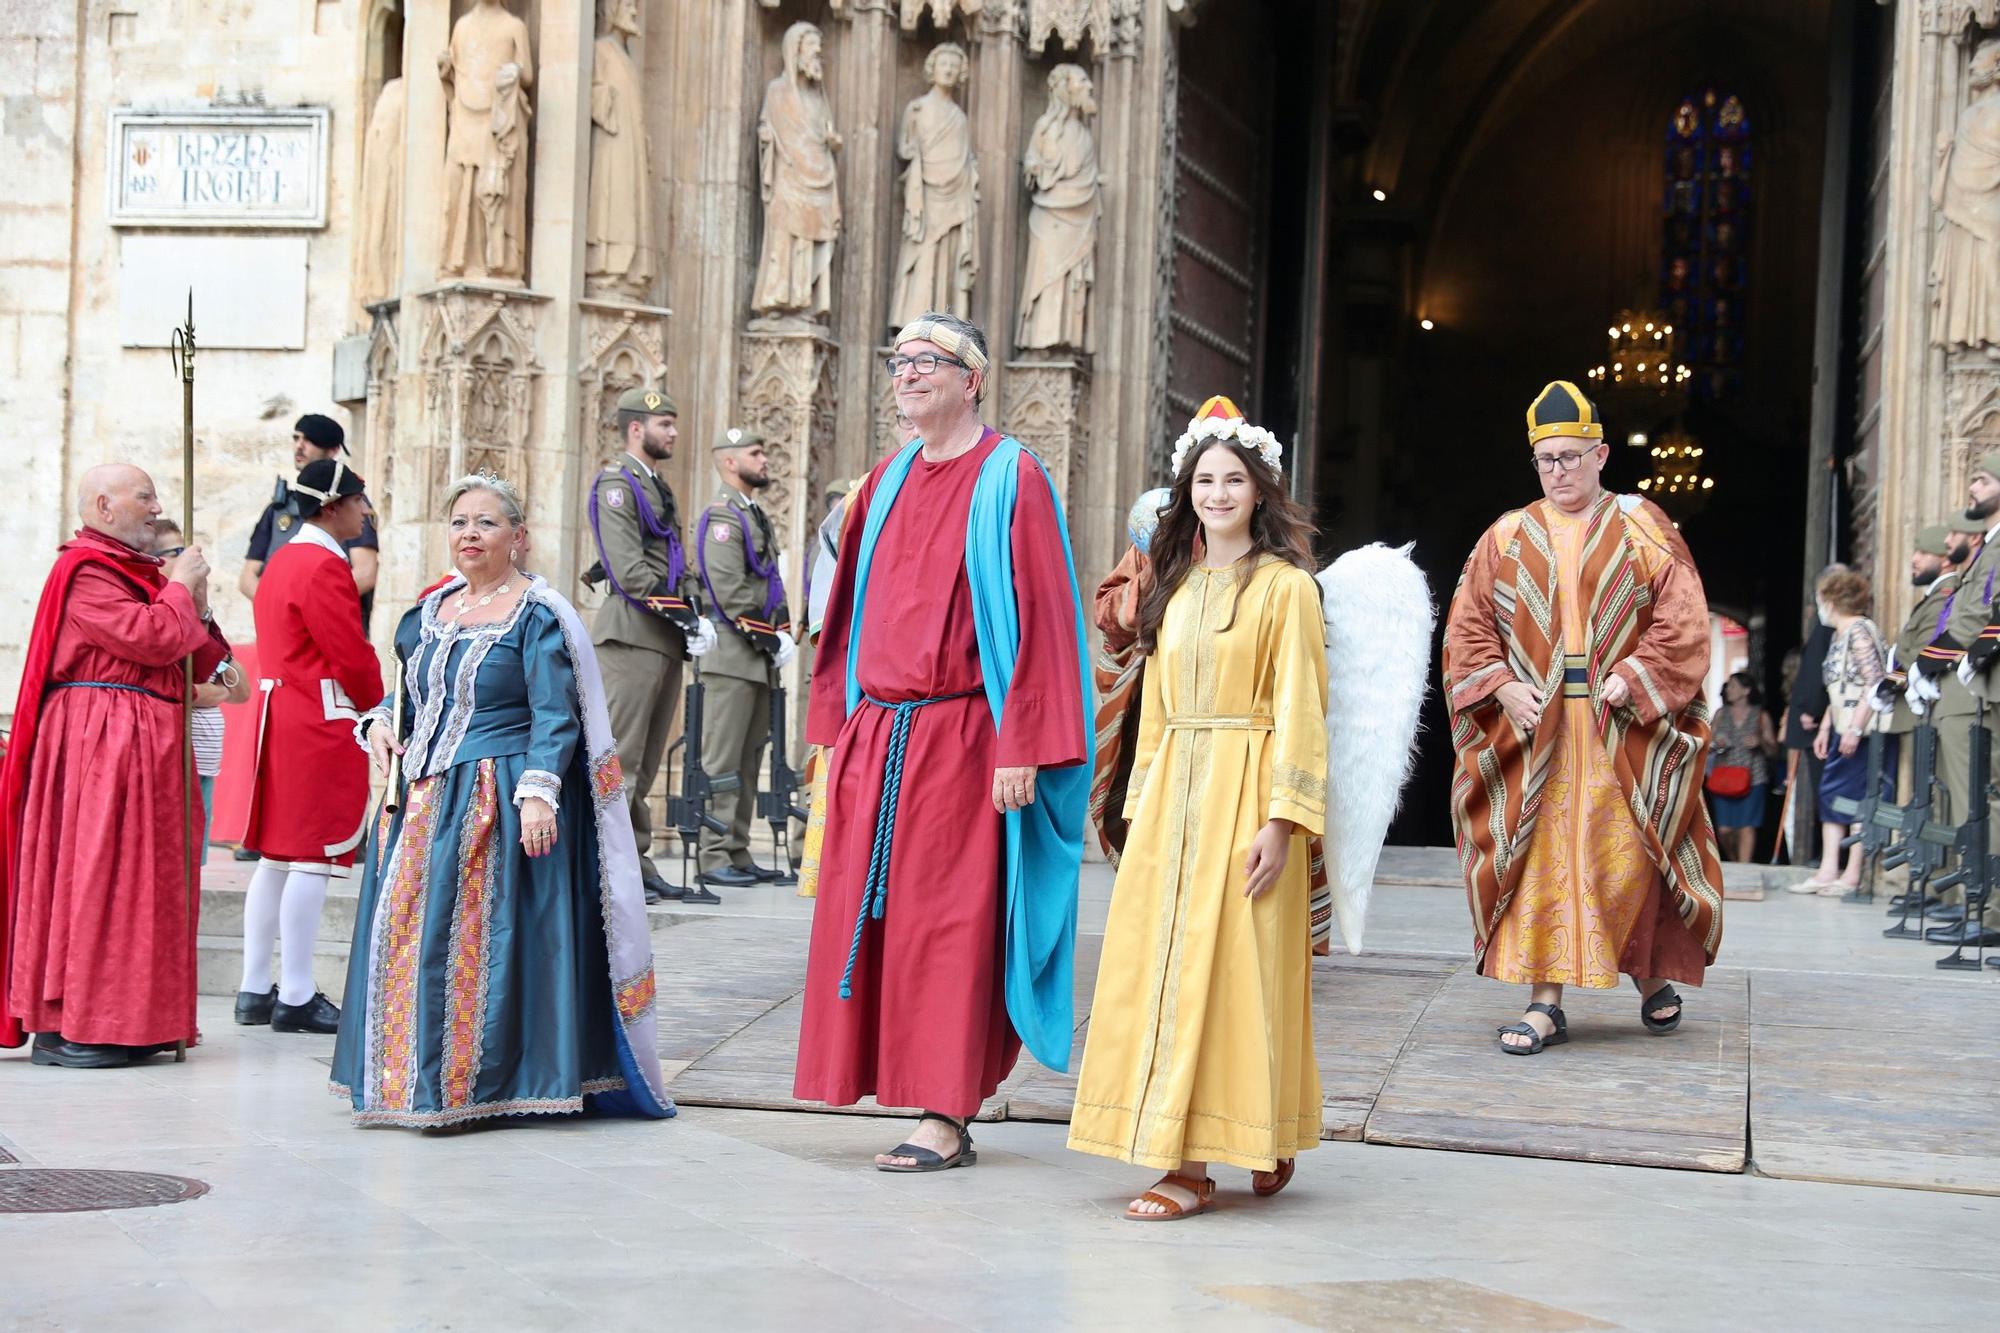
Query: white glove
[(703, 639), (1878, 702), (1965, 671), (1922, 690), (788, 648)]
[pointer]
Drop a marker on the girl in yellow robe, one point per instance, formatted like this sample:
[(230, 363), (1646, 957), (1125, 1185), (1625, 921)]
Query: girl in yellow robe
[(1200, 1047)]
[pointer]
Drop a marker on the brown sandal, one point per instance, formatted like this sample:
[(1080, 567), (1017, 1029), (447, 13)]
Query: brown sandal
[(1204, 1197), (1266, 1183)]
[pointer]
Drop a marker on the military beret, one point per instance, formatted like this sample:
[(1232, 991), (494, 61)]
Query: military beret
[(1932, 538), (652, 402), (736, 437), (1964, 522)]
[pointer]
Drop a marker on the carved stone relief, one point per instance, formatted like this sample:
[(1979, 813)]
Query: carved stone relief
[(1971, 420), (1061, 167), (937, 263), (619, 255), (378, 223), (487, 71), (1069, 22), (384, 357), (796, 143), (624, 347), (480, 373), (1951, 18), (788, 392), (1048, 409), (1965, 270)]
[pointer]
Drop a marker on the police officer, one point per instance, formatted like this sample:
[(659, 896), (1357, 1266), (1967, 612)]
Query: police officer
[(314, 437), (645, 630), (739, 572)]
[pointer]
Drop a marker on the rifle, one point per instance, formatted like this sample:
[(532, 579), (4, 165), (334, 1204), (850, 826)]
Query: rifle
[(779, 802), (688, 812), (1975, 864), (1920, 849)]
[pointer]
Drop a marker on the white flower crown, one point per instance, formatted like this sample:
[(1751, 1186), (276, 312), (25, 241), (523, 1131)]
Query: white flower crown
[(1204, 429)]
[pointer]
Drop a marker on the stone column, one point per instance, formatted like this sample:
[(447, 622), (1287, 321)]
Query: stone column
[(558, 459), (866, 112), (994, 104)]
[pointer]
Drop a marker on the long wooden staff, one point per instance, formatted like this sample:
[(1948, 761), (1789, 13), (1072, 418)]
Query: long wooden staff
[(183, 354)]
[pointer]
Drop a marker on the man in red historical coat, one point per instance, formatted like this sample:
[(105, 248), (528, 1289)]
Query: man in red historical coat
[(309, 801), (97, 908), (910, 1007)]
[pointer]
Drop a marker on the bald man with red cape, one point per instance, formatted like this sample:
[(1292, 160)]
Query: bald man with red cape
[(97, 919)]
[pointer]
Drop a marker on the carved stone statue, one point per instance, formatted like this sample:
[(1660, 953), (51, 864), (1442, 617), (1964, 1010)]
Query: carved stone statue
[(938, 261), (1966, 190), (618, 230), (795, 147), (1061, 165), (378, 224), (487, 71)]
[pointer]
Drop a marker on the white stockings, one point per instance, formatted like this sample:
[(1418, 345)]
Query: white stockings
[(282, 906)]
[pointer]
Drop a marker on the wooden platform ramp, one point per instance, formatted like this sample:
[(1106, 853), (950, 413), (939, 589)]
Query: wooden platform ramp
[(1818, 1076)]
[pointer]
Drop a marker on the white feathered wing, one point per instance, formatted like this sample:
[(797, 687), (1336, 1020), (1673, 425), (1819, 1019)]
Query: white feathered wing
[(1377, 606)]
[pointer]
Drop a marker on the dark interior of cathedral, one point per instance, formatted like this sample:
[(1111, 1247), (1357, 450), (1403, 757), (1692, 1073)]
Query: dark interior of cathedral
[(1427, 209)]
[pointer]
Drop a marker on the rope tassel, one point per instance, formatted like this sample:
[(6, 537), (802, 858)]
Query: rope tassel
[(875, 889)]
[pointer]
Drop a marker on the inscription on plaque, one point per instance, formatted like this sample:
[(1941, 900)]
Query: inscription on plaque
[(219, 168)]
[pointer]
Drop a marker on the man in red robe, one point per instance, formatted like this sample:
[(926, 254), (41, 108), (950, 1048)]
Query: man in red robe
[(97, 908), (909, 1005)]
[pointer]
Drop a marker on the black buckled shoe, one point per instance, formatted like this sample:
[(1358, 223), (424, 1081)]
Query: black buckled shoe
[(51, 1049), (728, 877), (318, 1014), (254, 1010), (657, 888), (1967, 935)]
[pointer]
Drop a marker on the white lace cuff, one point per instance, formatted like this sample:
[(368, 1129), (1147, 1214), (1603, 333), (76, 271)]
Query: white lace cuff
[(379, 713), (539, 783)]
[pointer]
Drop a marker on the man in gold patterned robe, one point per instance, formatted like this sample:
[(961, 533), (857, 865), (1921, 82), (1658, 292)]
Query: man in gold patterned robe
[(1574, 658)]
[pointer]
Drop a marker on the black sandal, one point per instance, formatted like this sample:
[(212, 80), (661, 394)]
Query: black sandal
[(1660, 999), (1536, 1041), (927, 1159)]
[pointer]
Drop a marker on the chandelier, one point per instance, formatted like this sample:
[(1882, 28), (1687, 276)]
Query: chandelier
[(1642, 354), (1677, 469)]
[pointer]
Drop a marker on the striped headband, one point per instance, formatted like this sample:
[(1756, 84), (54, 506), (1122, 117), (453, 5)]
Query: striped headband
[(954, 342), (332, 494)]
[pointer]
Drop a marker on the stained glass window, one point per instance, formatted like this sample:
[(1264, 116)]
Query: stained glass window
[(1704, 257)]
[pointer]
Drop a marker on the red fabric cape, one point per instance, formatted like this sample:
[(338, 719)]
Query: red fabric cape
[(141, 569)]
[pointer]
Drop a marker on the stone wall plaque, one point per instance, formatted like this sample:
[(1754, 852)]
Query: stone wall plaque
[(247, 168)]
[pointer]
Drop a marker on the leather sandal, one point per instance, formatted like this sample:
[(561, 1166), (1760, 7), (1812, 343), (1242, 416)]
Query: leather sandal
[(1264, 1184), (927, 1159), (1173, 1210), (1660, 999), (1536, 1041)]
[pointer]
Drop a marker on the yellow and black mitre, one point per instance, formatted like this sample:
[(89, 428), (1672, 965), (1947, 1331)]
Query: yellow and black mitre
[(1561, 409)]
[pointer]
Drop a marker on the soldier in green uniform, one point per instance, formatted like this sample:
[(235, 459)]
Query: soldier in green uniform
[(739, 572), (646, 629), (1957, 685)]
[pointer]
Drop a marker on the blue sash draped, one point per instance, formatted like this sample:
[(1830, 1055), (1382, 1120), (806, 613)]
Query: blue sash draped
[(1044, 842)]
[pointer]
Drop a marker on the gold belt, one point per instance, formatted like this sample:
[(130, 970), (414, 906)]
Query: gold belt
[(1219, 722)]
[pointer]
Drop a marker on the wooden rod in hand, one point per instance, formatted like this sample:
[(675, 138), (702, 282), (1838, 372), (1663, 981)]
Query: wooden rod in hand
[(183, 354)]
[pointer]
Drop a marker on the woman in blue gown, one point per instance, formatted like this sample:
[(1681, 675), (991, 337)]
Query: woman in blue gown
[(501, 961)]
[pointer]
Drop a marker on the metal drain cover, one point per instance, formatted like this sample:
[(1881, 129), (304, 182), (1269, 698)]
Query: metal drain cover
[(35, 1190)]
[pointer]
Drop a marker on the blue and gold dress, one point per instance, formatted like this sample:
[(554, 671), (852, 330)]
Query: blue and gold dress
[(484, 982)]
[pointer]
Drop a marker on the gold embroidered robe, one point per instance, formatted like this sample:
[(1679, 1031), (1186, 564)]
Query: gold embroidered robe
[(1200, 1043)]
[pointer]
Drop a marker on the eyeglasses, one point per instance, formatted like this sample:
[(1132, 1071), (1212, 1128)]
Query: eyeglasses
[(168, 553), (1568, 460), (926, 363)]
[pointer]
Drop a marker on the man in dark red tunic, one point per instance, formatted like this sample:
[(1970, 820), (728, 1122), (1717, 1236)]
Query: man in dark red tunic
[(97, 919), (910, 1005)]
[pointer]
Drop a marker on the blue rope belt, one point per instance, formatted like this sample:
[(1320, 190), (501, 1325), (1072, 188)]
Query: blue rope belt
[(875, 889), (108, 685)]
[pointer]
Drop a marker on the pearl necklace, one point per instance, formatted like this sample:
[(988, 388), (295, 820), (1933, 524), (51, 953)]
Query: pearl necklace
[(487, 600)]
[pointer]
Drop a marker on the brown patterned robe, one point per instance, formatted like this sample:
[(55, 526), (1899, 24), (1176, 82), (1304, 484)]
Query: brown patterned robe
[(1598, 865)]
